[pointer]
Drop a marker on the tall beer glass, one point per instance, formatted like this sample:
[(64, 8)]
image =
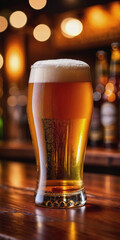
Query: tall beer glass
[(59, 111)]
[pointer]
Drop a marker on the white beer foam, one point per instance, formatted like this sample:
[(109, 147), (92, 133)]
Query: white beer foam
[(59, 70)]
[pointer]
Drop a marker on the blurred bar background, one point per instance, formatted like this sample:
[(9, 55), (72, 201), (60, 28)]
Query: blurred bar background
[(33, 30)]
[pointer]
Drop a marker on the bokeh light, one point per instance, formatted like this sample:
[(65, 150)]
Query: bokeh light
[(96, 96), (3, 24), (12, 101), (14, 61), (104, 80), (71, 27), (115, 10), (22, 100), (37, 4), (108, 92), (1, 61), (18, 19), (112, 97), (14, 90), (98, 17), (112, 80), (110, 87), (100, 88), (42, 32)]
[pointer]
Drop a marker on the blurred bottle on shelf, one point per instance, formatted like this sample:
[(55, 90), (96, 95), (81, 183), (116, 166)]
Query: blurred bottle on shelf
[(101, 78), (111, 102), (16, 108), (1, 108)]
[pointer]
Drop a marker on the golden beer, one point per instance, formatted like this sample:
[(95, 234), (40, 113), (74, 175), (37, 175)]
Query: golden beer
[(59, 111)]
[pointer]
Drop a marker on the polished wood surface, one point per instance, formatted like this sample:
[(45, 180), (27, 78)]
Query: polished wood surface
[(20, 219)]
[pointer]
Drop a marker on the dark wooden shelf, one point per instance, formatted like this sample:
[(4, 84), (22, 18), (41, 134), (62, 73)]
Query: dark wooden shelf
[(18, 150), (103, 157), (94, 156)]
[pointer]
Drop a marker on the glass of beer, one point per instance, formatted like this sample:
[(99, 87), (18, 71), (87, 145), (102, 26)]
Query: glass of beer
[(59, 111)]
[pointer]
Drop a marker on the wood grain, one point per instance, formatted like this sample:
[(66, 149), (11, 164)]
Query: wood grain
[(21, 219)]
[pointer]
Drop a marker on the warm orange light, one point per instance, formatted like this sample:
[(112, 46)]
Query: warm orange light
[(110, 87), (72, 231), (42, 32), (14, 61), (108, 92), (37, 4), (112, 97), (97, 16), (17, 174), (71, 27), (3, 24), (104, 80), (115, 10), (18, 19), (1, 61)]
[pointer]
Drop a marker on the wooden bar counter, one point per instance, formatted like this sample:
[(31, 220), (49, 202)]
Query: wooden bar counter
[(20, 219)]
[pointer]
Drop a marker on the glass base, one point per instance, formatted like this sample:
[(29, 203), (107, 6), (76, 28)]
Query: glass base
[(70, 200)]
